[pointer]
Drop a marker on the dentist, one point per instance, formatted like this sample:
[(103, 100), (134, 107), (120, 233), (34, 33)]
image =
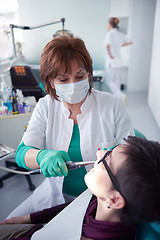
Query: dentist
[(70, 123)]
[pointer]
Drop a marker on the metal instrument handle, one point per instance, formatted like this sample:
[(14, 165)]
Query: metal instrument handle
[(74, 165)]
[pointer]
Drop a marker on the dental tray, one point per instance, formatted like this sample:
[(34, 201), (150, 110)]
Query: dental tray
[(5, 151)]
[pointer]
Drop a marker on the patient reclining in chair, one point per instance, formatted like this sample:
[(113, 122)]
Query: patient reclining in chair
[(122, 192)]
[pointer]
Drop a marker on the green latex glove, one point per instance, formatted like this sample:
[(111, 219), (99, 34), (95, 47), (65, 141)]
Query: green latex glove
[(52, 163)]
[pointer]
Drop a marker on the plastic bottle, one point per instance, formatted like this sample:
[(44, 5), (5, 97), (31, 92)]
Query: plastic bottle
[(5, 93), (20, 98), (14, 103), (1, 101)]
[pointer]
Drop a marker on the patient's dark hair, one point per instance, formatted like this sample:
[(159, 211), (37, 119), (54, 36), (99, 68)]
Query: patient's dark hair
[(139, 180)]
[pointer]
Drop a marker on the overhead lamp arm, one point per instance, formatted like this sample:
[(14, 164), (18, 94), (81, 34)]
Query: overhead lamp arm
[(12, 26)]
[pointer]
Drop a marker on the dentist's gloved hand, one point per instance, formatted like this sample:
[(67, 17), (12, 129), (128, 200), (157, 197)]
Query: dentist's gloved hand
[(53, 163)]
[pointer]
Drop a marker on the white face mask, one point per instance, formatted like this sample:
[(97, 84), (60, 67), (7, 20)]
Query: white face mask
[(73, 92)]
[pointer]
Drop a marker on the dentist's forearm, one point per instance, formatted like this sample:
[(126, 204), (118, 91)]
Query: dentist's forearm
[(30, 158)]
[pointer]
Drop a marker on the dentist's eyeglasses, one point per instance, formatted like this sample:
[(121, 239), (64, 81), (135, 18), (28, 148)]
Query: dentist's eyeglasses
[(112, 177)]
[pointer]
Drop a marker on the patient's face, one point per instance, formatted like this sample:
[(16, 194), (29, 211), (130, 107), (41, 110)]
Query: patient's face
[(97, 179)]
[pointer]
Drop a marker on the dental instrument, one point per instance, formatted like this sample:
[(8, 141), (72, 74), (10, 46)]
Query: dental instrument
[(71, 165)]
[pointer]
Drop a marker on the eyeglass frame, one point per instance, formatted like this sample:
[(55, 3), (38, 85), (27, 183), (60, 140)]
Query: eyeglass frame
[(110, 173)]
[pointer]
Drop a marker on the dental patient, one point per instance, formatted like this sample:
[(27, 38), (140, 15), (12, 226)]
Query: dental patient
[(122, 192)]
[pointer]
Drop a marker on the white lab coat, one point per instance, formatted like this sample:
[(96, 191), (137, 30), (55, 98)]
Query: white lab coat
[(67, 225), (104, 122), (115, 39)]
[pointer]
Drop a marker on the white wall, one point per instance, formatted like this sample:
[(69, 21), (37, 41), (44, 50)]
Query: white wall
[(119, 8), (142, 23), (154, 85), (140, 14), (86, 19)]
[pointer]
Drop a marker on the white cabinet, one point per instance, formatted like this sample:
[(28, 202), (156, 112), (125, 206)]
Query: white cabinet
[(12, 128)]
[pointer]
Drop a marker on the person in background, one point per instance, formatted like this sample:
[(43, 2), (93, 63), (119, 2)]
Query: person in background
[(123, 192), (70, 123), (113, 42)]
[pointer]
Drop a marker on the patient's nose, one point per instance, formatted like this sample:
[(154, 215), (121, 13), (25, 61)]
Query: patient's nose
[(100, 154)]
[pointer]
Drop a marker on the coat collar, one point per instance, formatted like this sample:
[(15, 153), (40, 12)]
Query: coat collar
[(84, 108)]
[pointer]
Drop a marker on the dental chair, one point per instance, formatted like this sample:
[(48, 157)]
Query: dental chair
[(148, 231), (25, 79), (139, 134)]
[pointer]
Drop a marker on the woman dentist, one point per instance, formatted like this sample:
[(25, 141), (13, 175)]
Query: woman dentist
[(70, 123)]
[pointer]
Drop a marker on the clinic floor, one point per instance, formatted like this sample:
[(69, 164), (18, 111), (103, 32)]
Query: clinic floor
[(15, 189)]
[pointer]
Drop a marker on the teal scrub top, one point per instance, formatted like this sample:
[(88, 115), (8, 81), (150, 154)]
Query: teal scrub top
[(74, 183)]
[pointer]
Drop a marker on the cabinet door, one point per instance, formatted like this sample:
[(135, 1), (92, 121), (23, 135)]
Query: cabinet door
[(12, 129)]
